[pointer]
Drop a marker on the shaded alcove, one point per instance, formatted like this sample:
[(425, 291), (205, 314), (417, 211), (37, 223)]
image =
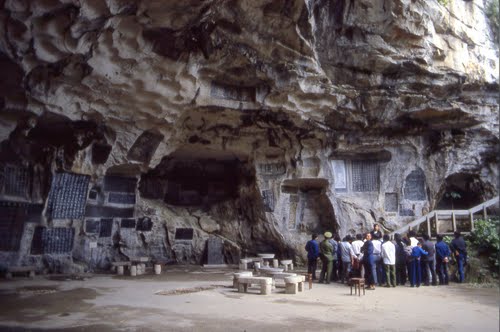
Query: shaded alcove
[(311, 210), (469, 188), (194, 178)]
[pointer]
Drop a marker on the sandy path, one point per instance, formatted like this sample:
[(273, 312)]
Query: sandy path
[(105, 303)]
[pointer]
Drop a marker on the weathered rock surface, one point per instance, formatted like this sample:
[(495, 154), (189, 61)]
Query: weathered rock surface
[(257, 122)]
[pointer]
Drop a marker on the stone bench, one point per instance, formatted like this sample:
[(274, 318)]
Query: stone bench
[(27, 270), (287, 264), (264, 283), (294, 284), (120, 266), (245, 261), (238, 275)]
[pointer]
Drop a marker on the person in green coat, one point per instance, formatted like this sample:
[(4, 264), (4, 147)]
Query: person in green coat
[(326, 250)]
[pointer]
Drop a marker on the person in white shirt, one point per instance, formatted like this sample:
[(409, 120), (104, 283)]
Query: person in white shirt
[(413, 240), (389, 258), (358, 256)]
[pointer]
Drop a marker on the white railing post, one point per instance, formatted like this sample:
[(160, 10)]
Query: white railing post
[(471, 215), (437, 222), (485, 214), (428, 225), (453, 220)]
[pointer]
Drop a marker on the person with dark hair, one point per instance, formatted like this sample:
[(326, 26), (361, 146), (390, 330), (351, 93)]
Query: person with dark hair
[(327, 253), (369, 263), (347, 257), (415, 271), (376, 232), (459, 249), (312, 248), (358, 256), (442, 257), (379, 263), (428, 269), (400, 260), (337, 262), (389, 259)]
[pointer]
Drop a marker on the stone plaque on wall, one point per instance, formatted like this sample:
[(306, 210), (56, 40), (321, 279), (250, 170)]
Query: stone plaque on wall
[(414, 189), (339, 174), (108, 212), (391, 202), (11, 228), (365, 175), (215, 254), (271, 168), (128, 223), (145, 146), (25, 212), (57, 240), (152, 187), (232, 92), (268, 199), (294, 201), (16, 181), (119, 184), (183, 233), (106, 227), (121, 198), (92, 226), (67, 196)]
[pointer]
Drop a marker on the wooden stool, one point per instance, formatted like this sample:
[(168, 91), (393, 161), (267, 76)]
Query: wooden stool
[(357, 283)]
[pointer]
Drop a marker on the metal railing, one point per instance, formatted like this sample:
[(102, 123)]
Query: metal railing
[(446, 214)]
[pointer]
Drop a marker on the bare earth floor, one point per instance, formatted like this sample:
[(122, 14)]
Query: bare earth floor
[(196, 300)]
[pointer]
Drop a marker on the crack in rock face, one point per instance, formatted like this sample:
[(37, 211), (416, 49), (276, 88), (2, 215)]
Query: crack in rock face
[(194, 132)]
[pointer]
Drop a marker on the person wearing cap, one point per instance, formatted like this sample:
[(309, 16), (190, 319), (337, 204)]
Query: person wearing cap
[(326, 250)]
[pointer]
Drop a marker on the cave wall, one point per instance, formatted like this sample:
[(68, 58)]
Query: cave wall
[(148, 128)]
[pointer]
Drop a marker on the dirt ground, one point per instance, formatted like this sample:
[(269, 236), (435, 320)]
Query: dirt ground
[(189, 299)]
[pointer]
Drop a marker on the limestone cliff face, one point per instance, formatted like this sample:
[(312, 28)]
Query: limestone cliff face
[(144, 128)]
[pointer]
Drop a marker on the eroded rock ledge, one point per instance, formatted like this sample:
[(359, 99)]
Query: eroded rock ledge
[(144, 128)]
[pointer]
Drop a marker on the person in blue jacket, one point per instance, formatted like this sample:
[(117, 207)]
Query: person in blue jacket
[(312, 248), (459, 249), (415, 271), (442, 258), (369, 261)]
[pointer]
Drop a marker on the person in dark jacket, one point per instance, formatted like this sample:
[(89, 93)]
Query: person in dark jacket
[(376, 233), (415, 271), (368, 261), (400, 260), (312, 248), (428, 261), (442, 257), (459, 250)]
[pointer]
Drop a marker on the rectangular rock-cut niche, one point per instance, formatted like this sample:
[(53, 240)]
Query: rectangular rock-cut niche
[(119, 184), (184, 233), (67, 196), (268, 200), (121, 198), (56, 240), (23, 212), (145, 146), (391, 202), (100, 153), (127, 223), (215, 251), (232, 92), (16, 181), (144, 224), (271, 168), (92, 226), (406, 212), (106, 227)]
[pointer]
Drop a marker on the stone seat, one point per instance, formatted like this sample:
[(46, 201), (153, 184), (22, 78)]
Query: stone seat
[(238, 275), (264, 283), (27, 270), (245, 261), (120, 266), (294, 284), (288, 264)]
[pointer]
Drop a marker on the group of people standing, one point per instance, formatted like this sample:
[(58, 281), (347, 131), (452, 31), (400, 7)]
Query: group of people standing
[(385, 262)]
